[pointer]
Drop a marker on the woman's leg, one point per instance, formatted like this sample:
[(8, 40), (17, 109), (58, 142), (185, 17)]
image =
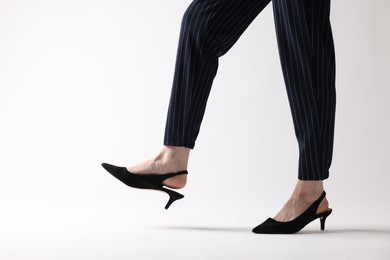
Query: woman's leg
[(209, 29), (308, 62)]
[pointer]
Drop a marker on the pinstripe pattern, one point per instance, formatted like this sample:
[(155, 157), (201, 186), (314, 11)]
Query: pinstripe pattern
[(211, 27)]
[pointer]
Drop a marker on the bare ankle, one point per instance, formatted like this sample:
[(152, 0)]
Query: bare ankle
[(177, 154), (175, 151), (308, 189)]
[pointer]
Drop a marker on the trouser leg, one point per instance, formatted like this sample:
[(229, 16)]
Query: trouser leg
[(308, 62), (209, 29)]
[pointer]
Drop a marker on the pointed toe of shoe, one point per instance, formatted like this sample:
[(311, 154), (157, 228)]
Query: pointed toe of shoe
[(121, 174), (264, 228), (109, 167), (115, 171)]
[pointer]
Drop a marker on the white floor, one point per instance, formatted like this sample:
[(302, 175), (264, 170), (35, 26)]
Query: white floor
[(89, 232)]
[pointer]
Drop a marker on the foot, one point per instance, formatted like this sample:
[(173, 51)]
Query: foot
[(169, 159), (305, 193)]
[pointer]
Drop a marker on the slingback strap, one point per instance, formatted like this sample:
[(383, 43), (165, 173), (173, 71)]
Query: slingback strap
[(317, 203)]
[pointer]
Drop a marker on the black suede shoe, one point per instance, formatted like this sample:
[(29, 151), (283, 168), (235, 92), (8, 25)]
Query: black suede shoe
[(271, 226), (145, 181)]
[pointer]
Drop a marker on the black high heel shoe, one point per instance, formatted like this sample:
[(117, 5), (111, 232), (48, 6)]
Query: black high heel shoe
[(271, 226), (145, 181)]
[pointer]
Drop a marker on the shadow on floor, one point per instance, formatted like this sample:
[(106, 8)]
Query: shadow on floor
[(347, 231), (363, 231), (217, 229)]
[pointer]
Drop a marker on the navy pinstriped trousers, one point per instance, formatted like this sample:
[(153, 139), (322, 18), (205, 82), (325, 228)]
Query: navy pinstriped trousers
[(211, 27)]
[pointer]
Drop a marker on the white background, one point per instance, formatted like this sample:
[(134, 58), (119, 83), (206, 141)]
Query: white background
[(85, 82)]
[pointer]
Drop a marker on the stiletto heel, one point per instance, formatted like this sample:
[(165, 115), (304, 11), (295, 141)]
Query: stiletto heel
[(271, 226), (323, 218), (145, 181), (173, 196)]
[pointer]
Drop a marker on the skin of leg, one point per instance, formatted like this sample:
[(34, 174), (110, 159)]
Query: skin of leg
[(169, 159), (304, 194)]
